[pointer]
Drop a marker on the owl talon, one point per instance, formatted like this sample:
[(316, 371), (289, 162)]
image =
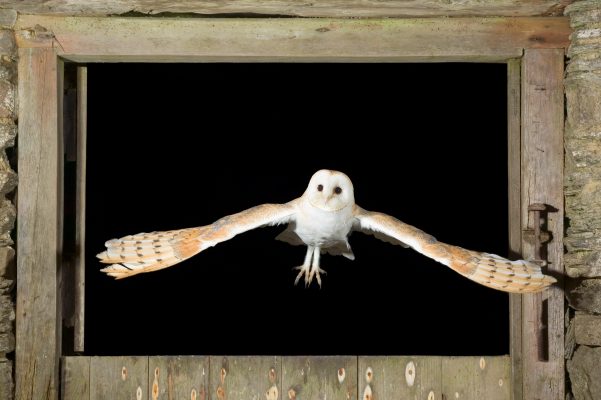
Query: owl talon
[(316, 271), (304, 270)]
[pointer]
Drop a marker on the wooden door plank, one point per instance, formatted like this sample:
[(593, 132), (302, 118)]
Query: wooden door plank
[(331, 377), (178, 377), (123, 378), (542, 182), (88, 39), (38, 228), (400, 377), (476, 378), (75, 378), (245, 377)]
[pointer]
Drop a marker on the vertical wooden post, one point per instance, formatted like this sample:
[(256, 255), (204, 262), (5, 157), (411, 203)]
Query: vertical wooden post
[(542, 182), (80, 212), (514, 216), (39, 235)]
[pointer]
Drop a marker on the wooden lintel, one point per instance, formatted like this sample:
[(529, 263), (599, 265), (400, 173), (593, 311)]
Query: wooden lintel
[(88, 39), (315, 8)]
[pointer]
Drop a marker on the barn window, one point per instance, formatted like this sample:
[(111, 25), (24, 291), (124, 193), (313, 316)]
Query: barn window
[(534, 108)]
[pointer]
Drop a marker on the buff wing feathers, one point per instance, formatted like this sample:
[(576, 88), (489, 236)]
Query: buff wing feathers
[(147, 252), (486, 269)]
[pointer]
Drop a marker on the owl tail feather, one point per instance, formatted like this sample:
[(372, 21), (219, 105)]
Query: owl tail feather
[(495, 271), (146, 252)]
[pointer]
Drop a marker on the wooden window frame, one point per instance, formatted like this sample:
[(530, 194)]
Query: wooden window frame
[(533, 49)]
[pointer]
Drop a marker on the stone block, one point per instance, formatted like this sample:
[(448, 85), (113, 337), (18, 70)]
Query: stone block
[(7, 265), (584, 295), (8, 18), (6, 380), (585, 374), (8, 133), (587, 329), (7, 342), (7, 42), (7, 314), (7, 100)]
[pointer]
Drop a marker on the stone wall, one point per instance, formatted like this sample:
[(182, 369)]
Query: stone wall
[(8, 181), (583, 199)]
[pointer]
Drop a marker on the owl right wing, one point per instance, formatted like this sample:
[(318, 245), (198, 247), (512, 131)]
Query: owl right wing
[(146, 252), (486, 269)]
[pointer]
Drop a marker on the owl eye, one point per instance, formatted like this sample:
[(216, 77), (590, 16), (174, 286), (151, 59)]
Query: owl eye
[(338, 190), (320, 187)]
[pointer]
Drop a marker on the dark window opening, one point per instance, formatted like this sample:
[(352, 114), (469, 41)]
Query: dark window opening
[(173, 146)]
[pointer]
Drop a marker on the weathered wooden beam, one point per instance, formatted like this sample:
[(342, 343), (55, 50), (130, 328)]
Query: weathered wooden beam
[(331, 377), (477, 378), (316, 8), (178, 377), (86, 39), (245, 377), (75, 378), (542, 182), (119, 378), (39, 235), (400, 377)]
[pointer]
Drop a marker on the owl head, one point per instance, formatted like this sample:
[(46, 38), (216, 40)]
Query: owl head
[(330, 190)]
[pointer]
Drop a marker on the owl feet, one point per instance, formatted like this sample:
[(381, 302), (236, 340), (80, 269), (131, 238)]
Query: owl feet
[(310, 268), (310, 272)]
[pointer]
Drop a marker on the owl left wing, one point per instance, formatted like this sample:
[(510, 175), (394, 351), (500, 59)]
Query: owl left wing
[(486, 269), (146, 252)]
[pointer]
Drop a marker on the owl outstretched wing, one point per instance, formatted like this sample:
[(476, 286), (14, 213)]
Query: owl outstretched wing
[(146, 252), (486, 269)]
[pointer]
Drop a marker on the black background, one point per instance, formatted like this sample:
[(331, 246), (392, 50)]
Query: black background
[(174, 146)]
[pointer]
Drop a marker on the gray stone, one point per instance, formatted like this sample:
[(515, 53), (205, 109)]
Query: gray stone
[(585, 373), (587, 329), (7, 265), (584, 107), (7, 42), (7, 342), (8, 70), (584, 295), (8, 18), (7, 314), (7, 99), (584, 264), (8, 214), (8, 133), (6, 380), (6, 286)]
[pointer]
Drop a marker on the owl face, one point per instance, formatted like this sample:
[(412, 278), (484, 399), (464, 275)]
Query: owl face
[(330, 190)]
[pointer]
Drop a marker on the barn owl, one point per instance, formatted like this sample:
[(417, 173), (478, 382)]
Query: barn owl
[(322, 219)]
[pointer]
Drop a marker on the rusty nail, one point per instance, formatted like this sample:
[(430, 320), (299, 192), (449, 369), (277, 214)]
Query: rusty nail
[(123, 373)]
